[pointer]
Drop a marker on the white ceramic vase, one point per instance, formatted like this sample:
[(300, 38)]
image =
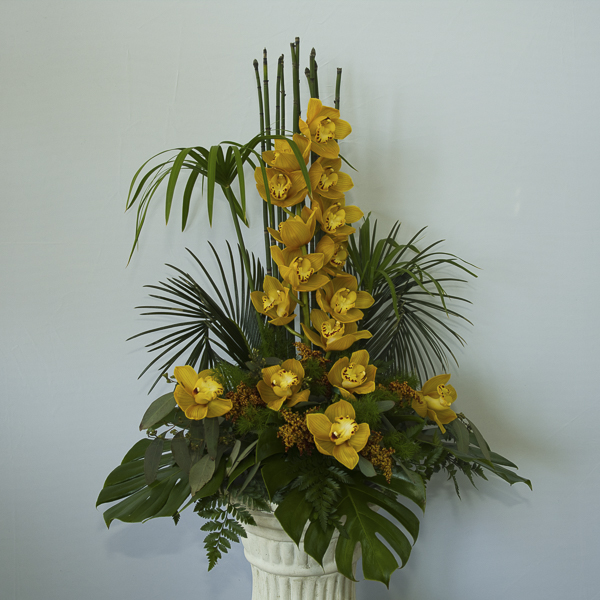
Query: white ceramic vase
[(283, 571)]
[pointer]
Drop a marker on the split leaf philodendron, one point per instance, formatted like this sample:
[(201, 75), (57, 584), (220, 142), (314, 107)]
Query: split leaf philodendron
[(294, 379)]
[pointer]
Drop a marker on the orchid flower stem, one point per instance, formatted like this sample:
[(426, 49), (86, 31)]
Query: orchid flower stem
[(298, 335)]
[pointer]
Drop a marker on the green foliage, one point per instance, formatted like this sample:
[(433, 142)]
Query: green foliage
[(209, 320), (406, 449), (313, 371), (321, 483), (408, 300), (231, 375), (253, 419), (221, 528), (367, 410), (275, 341)]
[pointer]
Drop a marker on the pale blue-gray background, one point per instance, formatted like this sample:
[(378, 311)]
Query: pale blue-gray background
[(478, 119)]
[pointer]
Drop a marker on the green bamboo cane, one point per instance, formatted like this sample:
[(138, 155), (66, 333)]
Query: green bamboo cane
[(266, 101), (295, 47), (280, 214), (268, 264), (278, 99), (338, 83), (271, 208)]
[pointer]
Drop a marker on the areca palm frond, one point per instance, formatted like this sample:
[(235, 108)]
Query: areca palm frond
[(211, 325), (409, 301)]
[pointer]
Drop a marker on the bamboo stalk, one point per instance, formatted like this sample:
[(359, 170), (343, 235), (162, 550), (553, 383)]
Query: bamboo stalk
[(314, 84), (296, 84), (266, 101), (260, 105), (277, 98), (338, 83)]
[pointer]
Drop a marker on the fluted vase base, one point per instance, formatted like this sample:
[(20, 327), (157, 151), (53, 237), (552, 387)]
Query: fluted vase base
[(283, 571)]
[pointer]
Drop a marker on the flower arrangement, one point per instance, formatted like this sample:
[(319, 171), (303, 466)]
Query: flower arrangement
[(305, 382)]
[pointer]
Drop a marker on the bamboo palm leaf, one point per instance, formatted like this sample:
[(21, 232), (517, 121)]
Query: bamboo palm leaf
[(209, 325)]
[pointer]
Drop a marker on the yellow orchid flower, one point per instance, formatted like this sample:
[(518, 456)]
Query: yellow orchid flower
[(325, 128), (340, 256), (332, 183), (281, 385), (275, 302), (197, 394), (354, 375), (334, 220), (331, 334), (434, 401), (286, 188), (283, 157), (301, 271), (342, 299), (296, 231), (338, 434)]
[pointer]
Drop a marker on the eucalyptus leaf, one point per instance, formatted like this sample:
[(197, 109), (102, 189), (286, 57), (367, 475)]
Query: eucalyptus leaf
[(181, 452), (158, 410), (366, 467), (201, 473), (385, 405), (211, 435)]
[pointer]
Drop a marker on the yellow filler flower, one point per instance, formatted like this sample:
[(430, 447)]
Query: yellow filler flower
[(325, 128), (338, 434), (275, 302), (281, 384), (434, 401), (353, 376), (198, 394)]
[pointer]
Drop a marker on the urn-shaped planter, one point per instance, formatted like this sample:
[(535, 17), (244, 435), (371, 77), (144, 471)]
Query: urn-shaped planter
[(283, 571)]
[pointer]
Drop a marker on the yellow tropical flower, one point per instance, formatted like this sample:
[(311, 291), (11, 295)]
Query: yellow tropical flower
[(353, 376), (325, 128), (338, 434), (334, 219), (275, 302), (332, 183), (301, 271), (281, 385), (331, 334), (283, 157), (434, 401), (340, 256), (342, 299), (296, 231), (286, 188), (198, 394)]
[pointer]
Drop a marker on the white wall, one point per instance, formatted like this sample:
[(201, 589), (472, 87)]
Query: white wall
[(478, 119)]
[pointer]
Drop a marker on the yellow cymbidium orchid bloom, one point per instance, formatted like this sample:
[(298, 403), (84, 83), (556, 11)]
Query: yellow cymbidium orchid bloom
[(301, 271), (332, 183), (338, 434), (275, 302), (325, 128), (296, 231), (434, 401), (340, 256), (281, 385), (286, 188), (283, 157), (198, 394), (353, 376), (342, 299), (334, 220), (331, 334)]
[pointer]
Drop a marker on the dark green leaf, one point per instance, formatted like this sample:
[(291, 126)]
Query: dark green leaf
[(159, 409), (152, 459), (201, 473), (268, 444), (293, 513), (211, 435), (181, 452)]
